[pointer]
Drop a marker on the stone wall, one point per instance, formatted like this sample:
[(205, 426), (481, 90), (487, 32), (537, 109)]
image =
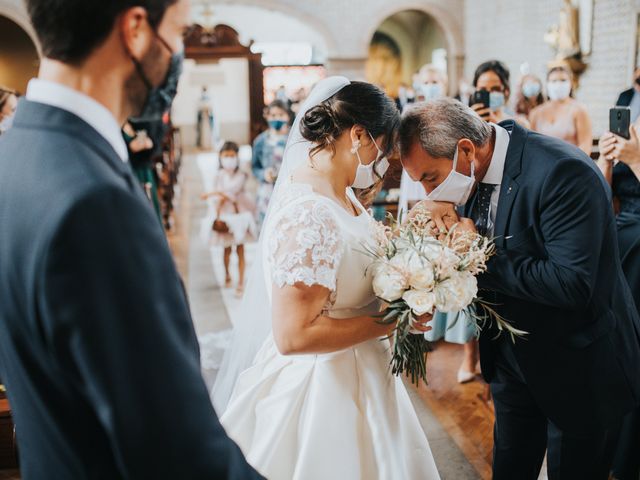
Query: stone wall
[(513, 31)]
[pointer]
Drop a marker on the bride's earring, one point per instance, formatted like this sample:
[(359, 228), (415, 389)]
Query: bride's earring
[(356, 146)]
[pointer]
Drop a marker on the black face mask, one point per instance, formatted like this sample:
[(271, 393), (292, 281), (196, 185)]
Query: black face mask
[(159, 99)]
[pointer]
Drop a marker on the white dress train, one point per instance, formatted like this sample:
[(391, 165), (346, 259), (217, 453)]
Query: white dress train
[(339, 416)]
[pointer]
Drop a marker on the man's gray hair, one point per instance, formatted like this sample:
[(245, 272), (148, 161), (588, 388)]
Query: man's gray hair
[(439, 125)]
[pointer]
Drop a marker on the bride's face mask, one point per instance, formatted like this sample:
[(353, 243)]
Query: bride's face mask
[(365, 174), (457, 187)]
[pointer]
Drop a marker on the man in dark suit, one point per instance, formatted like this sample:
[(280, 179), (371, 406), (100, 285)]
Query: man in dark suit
[(98, 351), (567, 383), (631, 97)]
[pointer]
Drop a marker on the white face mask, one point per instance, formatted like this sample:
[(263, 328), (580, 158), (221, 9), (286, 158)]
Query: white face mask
[(456, 188), (365, 175), (229, 163), (559, 89)]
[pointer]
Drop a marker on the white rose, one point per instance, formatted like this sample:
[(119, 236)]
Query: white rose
[(422, 276), (404, 259), (389, 283), (456, 293), (420, 302)]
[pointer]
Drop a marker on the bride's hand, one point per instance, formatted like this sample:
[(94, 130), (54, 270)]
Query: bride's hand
[(420, 324)]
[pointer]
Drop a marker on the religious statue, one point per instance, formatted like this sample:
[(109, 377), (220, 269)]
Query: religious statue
[(205, 133), (564, 38)]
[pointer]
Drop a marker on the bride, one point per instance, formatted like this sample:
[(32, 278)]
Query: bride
[(318, 401)]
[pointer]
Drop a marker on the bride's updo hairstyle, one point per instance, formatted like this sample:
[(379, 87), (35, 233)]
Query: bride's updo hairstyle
[(358, 103)]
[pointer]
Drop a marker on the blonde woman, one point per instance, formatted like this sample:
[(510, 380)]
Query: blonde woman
[(563, 116)]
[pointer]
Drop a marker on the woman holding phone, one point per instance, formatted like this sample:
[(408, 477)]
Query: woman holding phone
[(140, 148), (620, 163)]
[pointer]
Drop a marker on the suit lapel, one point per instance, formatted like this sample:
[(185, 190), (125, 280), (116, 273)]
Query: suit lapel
[(509, 187)]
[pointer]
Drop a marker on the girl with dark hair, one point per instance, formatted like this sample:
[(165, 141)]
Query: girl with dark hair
[(563, 116), (233, 224), (268, 149), (528, 95), (493, 76), (318, 400)]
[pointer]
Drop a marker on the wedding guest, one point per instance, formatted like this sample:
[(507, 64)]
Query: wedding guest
[(563, 116), (528, 95), (493, 77), (234, 208), (432, 85), (8, 104), (631, 97), (140, 148), (99, 352), (268, 150), (619, 161)]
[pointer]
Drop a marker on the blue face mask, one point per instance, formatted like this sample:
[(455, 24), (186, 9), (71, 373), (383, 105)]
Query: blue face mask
[(531, 89), (277, 124), (431, 90), (496, 101)]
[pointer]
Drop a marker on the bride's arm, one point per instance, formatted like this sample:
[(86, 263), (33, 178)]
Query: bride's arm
[(299, 326), (306, 250)]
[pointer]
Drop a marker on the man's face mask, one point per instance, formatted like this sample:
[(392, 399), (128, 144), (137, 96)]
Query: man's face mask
[(457, 187), (160, 98)]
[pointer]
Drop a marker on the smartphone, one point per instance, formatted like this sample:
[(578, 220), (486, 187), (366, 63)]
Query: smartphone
[(479, 97), (619, 121)]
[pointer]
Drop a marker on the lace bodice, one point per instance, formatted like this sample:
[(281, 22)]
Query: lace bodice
[(310, 239)]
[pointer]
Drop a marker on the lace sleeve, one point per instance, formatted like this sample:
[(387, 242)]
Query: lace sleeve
[(305, 246)]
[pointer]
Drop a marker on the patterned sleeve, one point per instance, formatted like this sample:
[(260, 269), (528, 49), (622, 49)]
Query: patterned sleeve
[(305, 246)]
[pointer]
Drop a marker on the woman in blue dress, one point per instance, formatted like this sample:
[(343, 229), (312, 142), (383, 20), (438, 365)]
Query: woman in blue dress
[(268, 151)]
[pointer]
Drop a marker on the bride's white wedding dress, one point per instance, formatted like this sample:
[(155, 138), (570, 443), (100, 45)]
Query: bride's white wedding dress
[(339, 416)]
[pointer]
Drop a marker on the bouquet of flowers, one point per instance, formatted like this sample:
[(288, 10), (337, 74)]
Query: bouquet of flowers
[(417, 272)]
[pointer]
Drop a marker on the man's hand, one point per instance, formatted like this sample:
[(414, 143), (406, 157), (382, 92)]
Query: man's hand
[(466, 225), (443, 214)]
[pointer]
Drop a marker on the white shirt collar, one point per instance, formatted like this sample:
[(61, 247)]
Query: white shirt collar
[(496, 168), (81, 105)]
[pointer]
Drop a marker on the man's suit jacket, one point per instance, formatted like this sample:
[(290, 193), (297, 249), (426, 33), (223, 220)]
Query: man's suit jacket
[(557, 275), (98, 351)]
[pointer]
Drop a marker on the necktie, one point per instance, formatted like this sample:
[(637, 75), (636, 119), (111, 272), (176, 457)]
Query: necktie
[(481, 211)]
